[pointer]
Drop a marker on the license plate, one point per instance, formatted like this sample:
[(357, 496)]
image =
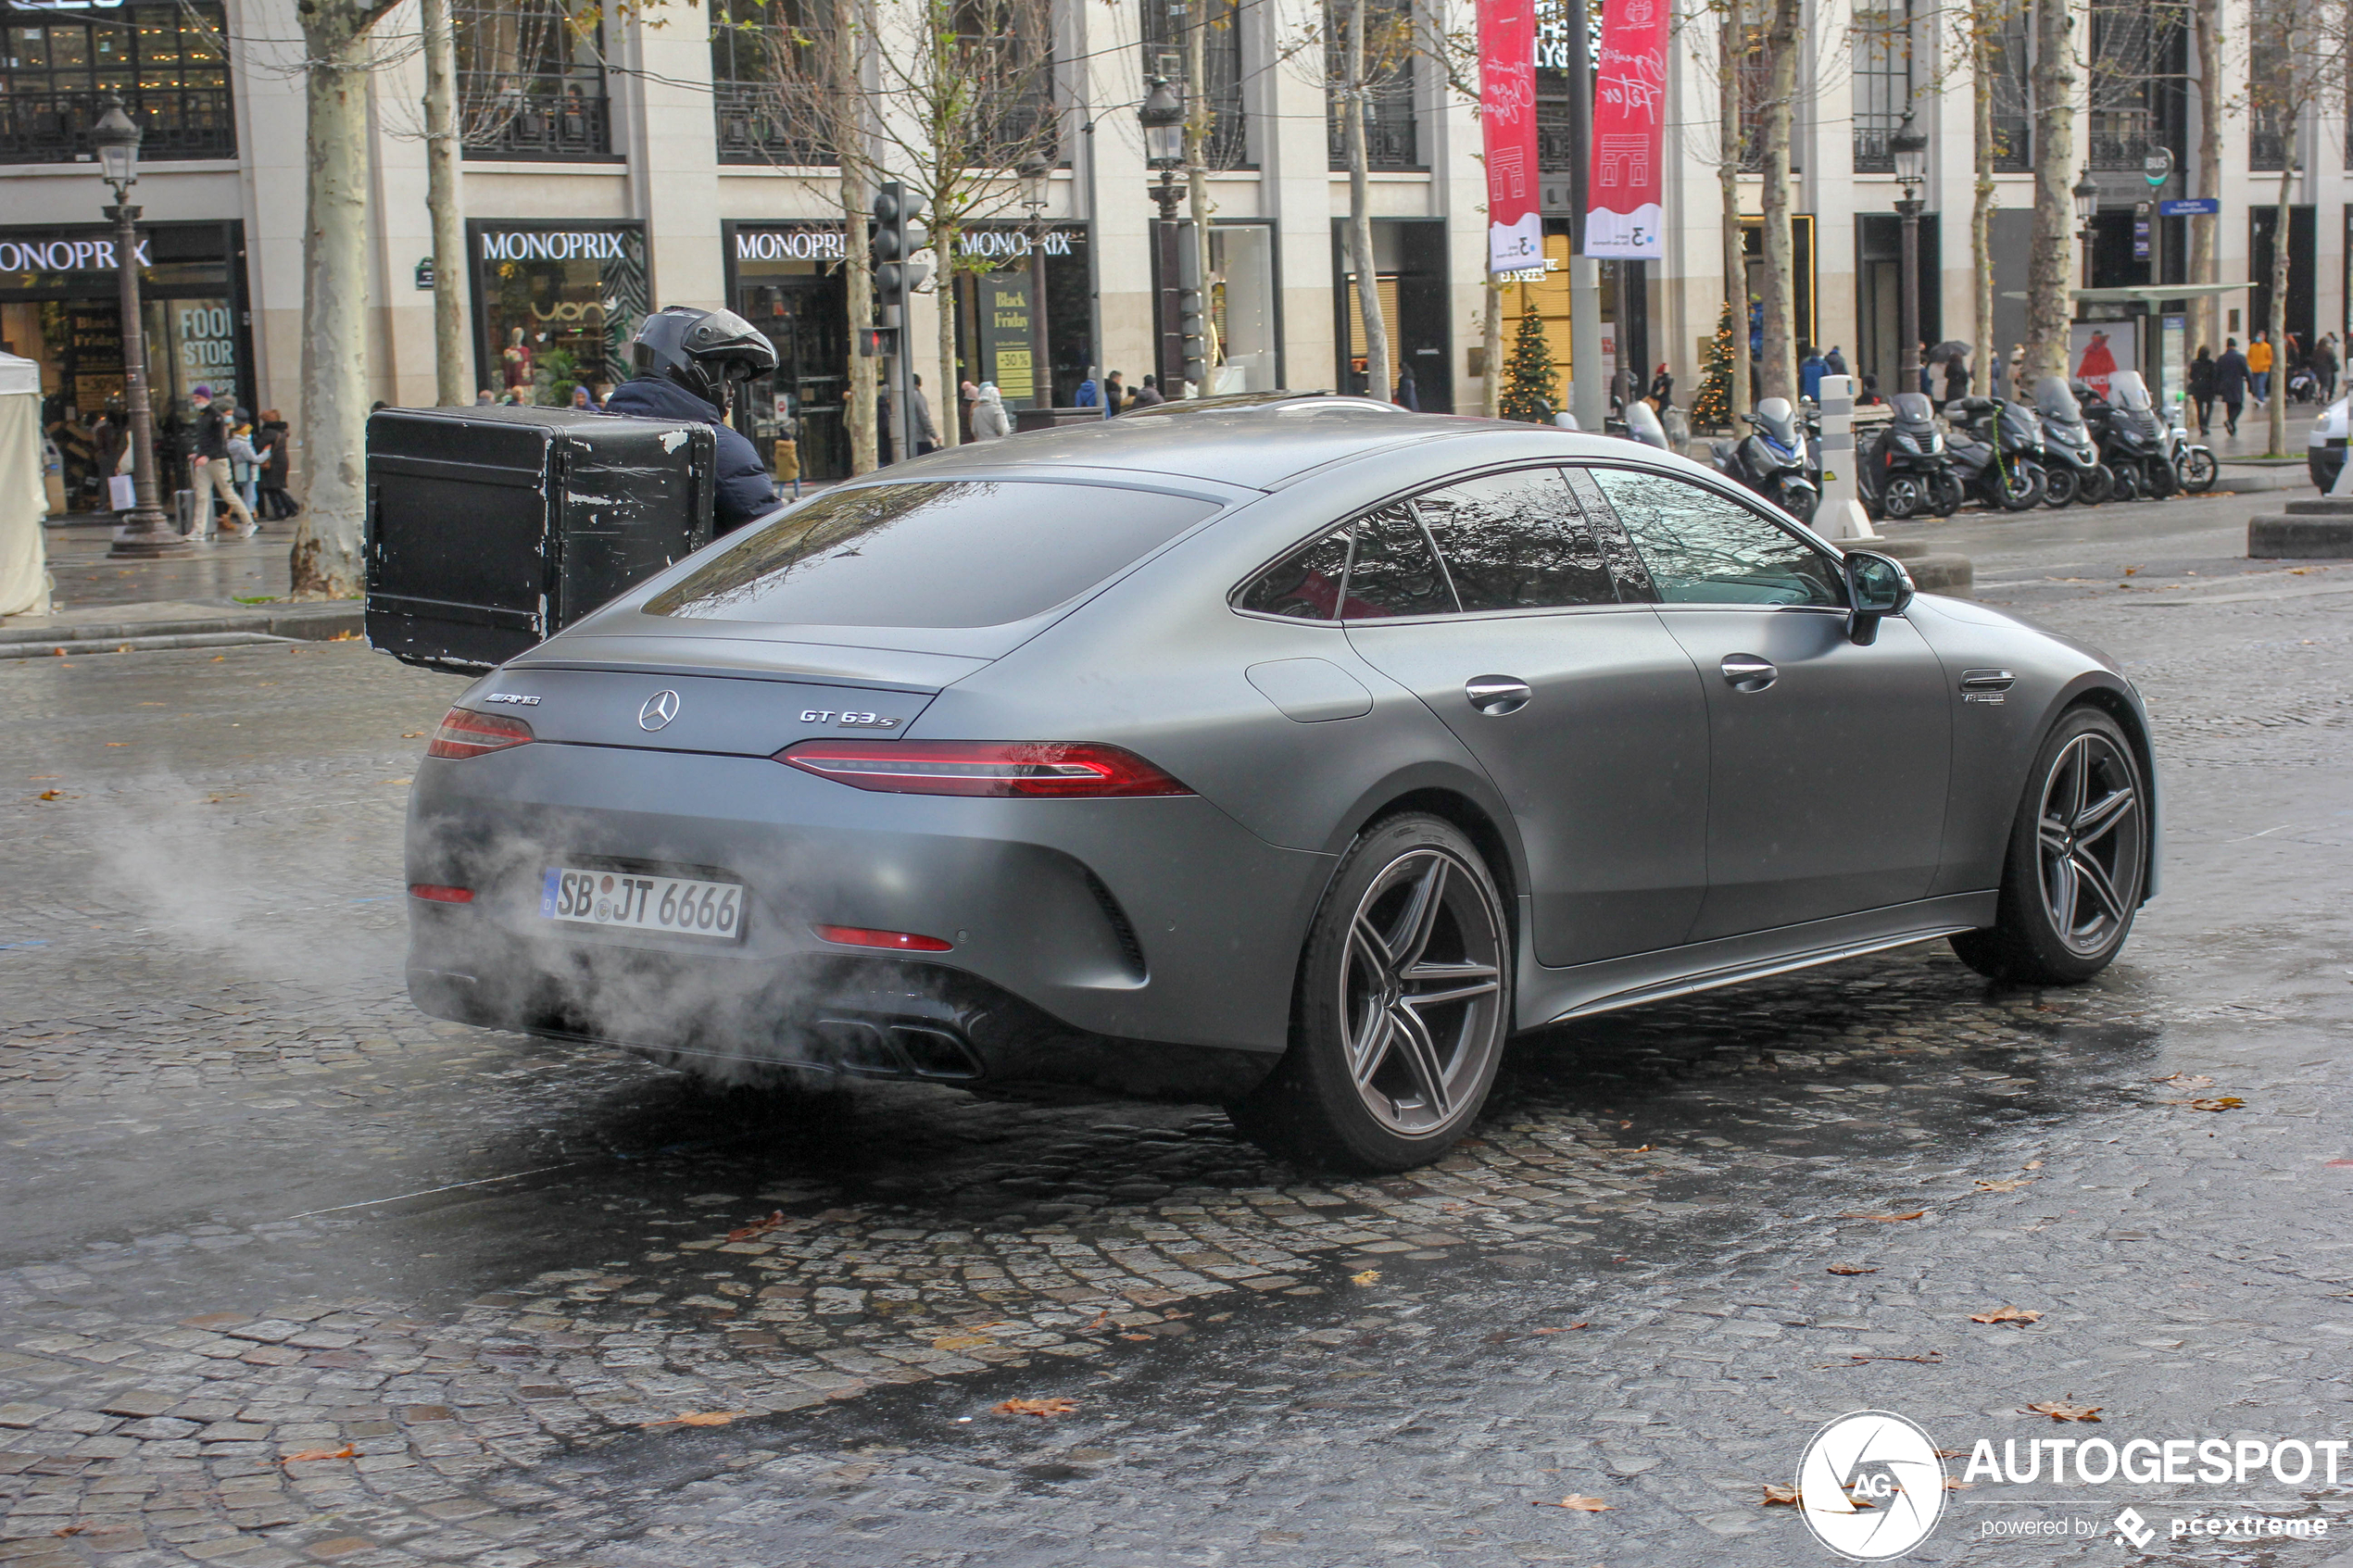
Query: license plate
[(679, 906)]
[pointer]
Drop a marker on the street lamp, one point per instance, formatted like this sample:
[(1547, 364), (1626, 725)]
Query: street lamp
[(2087, 212), (1164, 117), (1035, 171), (1910, 147), (148, 533)]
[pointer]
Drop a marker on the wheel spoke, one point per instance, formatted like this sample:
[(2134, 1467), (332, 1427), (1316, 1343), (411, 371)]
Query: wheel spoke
[(1456, 994), (1419, 917), (1419, 1052), (1370, 1050), (2103, 816), (1366, 943), (2104, 893), (2055, 836), (2078, 781), (2062, 895)]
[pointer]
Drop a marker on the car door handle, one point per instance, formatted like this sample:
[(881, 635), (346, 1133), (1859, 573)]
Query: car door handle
[(1496, 695), (1749, 673)]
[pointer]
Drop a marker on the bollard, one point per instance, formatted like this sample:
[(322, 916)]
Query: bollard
[(1841, 514)]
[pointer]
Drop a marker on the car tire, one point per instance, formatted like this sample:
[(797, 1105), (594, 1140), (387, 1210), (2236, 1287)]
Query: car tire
[(2059, 485), (2077, 854), (1401, 1009)]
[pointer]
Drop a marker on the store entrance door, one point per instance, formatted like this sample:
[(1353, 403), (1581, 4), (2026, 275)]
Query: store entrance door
[(807, 318)]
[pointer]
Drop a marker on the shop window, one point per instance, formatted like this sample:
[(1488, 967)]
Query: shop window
[(1244, 346), (1167, 47), (1883, 50), (166, 62), (530, 82), (557, 307), (1390, 47)]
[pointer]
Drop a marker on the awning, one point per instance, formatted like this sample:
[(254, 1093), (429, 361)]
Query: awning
[(2142, 294)]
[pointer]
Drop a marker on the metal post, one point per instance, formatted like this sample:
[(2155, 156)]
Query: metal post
[(1041, 369), (1841, 514), (149, 533), (1907, 373), (1587, 388)]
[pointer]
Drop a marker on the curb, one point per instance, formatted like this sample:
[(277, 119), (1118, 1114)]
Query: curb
[(326, 621), (52, 648)]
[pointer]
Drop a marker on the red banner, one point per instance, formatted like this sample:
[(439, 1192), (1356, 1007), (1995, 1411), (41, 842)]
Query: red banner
[(1507, 118), (1623, 212)]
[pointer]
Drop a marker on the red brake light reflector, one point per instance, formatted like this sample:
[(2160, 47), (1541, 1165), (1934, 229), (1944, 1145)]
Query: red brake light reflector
[(1018, 770), (439, 893), (894, 941), (464, 732)]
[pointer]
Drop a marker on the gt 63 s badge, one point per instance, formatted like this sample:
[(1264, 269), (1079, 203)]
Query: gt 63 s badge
[(1870, 1485)]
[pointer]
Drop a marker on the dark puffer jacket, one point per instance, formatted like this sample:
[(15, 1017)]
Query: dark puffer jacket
[(745, 490)]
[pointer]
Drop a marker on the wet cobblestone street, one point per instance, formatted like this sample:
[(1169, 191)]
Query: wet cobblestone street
[(294, 1274)]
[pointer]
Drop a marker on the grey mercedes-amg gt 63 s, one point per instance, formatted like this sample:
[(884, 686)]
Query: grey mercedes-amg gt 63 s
[(1289, 756)]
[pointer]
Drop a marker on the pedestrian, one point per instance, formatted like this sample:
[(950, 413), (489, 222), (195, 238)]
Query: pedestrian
[(1090, 393), (2201, 380), (926, 433), (2324, 368), (276, 503), (1870, 397), (1835, 360), (484, 398), (967, 395), (1114, 395), (1811, 369), (1148, 394), (1408, 396), (581, 403), (988, 414), (244, 471), (210, 430), (1956, 375), (1928, 367), (2230, 384), (2258, 369), (111, 442), (1663, 386)]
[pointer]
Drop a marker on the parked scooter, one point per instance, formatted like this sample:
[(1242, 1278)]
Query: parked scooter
[(2072, 472), (1643, 425), (1905, 471), (2133, 441), (1772, 460), (2193, 461), (1993, 453)]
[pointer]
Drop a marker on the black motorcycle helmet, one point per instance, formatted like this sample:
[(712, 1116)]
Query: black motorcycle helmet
[(701, 350)]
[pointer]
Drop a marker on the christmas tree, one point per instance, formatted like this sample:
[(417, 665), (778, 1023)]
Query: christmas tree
[(1529, 374), (1712, 409)]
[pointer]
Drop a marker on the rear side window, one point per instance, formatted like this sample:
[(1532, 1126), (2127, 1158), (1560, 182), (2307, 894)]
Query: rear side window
[(1394, 571), (1517, 541), (945, 554)]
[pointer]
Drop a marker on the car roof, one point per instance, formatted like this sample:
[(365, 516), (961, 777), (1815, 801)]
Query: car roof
[(1263, 448)]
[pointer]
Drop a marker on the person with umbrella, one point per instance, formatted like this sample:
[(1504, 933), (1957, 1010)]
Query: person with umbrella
[(1953, 355)]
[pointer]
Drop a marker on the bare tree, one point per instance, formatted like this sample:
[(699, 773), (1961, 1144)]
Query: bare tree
[(1779, 368), (2296, 58), (1983, 29), (2206, 25), (1732, 40), (444, 149), (1355, 88), (325, 559), (2050, 278)]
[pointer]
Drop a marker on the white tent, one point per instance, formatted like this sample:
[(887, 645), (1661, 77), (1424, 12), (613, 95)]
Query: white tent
[(24, 499)]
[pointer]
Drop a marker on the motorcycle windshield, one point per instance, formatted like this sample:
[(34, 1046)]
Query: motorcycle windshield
[(1914, 408), (1777, 423), (2127, 390), (2021, 427), (2056, 403)]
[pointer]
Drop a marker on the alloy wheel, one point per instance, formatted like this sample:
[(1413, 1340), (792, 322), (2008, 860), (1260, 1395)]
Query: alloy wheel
[(1421, 991), (1903, 497), (2091, 832)]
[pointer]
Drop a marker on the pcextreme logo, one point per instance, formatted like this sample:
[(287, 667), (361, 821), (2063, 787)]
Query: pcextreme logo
[(1870, 1485)]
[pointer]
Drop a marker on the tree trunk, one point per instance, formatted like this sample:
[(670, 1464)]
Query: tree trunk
[(2276, 325), (1360, 221), (1491, 353), (444, 201), (1780, 368), (326, 562), (2050, 277), (947, 407), (1985, 23), (857, 266), (1728, 181), (2206, 21)]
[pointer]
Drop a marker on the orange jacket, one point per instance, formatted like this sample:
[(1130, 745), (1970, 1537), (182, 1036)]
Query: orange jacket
[(2258, 356)]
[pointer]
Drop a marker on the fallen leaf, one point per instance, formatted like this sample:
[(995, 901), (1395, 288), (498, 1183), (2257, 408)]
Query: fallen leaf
[(50, 794), (217, 658), (1370, 1276), (413, 735), (2187, 1080), (963, 1342), (1952, 1453), (1135, 1337), (2060, 1410), (1888, 1219), (1100, 1318), (1575, 1504), (1566, 1328), (69, 1530), (346, 1452), (1851, 1269), (698, 1418), (2221, 1102), (1041, 1409), (2033, 1165), (2010, 1185), (1955, 1484), (758, 1227), (2019, 1315), (1781, 1496)]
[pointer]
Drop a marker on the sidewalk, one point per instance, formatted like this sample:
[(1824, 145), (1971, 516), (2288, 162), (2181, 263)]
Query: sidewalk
[(219, 594)]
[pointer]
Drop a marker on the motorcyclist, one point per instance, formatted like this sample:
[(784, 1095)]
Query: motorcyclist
[(686, 362)]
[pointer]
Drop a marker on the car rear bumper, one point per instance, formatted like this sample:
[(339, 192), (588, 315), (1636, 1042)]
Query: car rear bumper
[(1106, 942)]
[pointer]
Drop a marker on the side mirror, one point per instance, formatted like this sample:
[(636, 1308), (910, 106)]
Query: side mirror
[(1878, 586)]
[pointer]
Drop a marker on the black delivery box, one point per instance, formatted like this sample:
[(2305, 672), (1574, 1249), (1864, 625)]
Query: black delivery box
[(490, 530)]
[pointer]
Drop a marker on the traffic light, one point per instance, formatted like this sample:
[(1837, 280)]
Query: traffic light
[(1192, 309), (897, 236)]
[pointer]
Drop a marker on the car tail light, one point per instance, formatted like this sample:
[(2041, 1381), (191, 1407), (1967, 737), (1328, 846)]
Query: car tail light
[(464, 732), (1022, 770), (893, 941), (439, 893)]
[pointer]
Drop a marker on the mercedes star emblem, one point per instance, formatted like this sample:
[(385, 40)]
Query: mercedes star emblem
[(660, 710)]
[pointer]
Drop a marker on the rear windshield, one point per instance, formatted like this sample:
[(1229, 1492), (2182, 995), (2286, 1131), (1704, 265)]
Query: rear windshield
[(945, 554)]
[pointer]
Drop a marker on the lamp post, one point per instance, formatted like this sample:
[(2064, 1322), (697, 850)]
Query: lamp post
[(1035, 172), (2087, 212), (1163, 119), (1910, 147), (149, 533)]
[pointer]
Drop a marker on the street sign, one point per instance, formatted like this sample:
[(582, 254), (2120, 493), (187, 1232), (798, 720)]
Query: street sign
[(2140, 238), (424, 273), (2195, 206), (2157, 167)]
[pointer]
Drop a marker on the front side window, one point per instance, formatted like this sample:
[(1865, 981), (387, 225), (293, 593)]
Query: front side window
[(941, 555), (1703, 548)]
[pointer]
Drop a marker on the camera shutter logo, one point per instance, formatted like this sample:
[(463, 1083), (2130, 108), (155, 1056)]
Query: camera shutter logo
[(660, 710), (1872, 1486)]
